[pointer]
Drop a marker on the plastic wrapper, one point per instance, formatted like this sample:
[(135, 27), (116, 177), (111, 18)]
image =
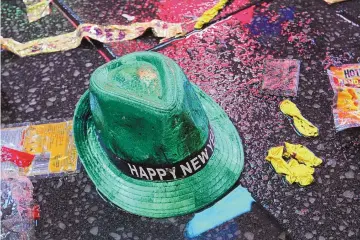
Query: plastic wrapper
[(17, 205), (345, 81), (21, 159), (51, 144), (281, 77)]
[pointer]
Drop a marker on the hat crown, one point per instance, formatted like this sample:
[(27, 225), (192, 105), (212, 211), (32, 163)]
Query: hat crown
[(146, 111)]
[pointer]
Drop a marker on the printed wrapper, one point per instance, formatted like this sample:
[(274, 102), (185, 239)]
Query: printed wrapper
[(37, 9), (51, 143), (17, 204), (345, 81), (104, 34), (281, 77)]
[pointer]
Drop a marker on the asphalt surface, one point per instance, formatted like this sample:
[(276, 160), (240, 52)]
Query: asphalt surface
[(226, 61)]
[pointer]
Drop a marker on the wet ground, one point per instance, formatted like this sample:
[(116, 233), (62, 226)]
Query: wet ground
[(226, 61)]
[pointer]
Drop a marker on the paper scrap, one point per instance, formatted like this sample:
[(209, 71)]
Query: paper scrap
[(37, 9), (237, 202), (128, 17), (302, 125), (104, 34), (21, 159), (334, 1), (209, 14)]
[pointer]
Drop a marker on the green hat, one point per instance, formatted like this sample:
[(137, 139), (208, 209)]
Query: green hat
[(153, 143)]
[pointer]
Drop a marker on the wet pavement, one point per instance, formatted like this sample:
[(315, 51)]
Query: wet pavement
[(226, 61)]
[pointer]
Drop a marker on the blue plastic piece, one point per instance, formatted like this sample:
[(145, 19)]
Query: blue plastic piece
[(234, 204)]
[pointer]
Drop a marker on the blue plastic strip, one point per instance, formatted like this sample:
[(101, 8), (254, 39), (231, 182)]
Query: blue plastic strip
[(234, 204)]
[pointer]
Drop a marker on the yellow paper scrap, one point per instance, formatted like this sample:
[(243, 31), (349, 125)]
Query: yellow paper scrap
[(209, 14), (302, 154), (104, 34), (55, 140), (37, 9), (294, 171), (302, 125)]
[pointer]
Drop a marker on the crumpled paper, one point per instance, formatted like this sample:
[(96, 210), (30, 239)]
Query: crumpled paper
[(37, 9), (294, 170), (104, 34), (209, 14), (302, 125)]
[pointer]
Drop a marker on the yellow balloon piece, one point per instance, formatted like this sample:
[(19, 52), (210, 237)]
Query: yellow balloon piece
[(302, 154), (302, 125), (299, 173), (209, 14), (275, 157), (294, 171)]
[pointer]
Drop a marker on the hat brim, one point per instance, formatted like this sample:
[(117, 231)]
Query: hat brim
[(159, 199)]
